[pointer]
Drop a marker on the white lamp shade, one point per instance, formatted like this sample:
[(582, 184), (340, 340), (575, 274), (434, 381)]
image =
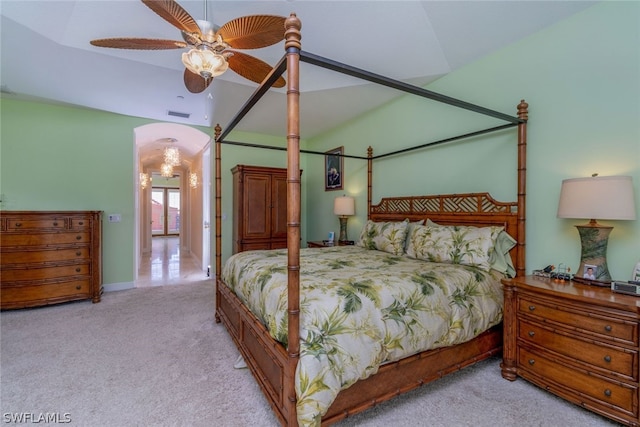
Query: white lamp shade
[(599, 197), (344, 206)]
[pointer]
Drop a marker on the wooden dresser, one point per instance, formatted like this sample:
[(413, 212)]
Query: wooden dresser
[(577, 341), (259, 208), (49, 257)]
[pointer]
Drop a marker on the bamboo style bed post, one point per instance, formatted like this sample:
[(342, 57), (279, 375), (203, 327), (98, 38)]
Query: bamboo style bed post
[(292, 47), (218, 198), (369, 180), (508, 365), (523, 114)]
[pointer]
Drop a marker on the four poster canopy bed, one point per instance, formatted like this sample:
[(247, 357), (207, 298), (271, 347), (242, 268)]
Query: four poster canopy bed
[(330, 332)]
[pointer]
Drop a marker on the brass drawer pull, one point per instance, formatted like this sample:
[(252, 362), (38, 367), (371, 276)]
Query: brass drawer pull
[(78, 287), (18, 224), (81, 222), (78, 270), (532, 307), (78, 253), (607, 392), (607, 359), (531, 361), (78, 237), (608, 328), (531, 333)]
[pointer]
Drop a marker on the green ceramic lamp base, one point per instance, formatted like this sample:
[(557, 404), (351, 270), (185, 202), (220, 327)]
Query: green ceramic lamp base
[(343, 229), (593, 268)]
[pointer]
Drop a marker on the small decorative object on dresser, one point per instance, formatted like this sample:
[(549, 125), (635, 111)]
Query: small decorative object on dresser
[(50, 257), (576, 341), (328, 244)]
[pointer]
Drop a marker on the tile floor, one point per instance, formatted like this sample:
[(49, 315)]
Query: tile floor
[(166, 265)]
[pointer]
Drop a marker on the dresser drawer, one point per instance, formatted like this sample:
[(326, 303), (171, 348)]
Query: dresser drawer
[(79, 223), (606, 392), (27, 296), (44, 239), (606, 357), (610, 328), (44, 255), (36, 223), (42, 272)]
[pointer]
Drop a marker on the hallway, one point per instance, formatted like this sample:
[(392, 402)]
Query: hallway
[(166, 265)]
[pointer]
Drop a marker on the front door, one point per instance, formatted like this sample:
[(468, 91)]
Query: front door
[(165, 211)]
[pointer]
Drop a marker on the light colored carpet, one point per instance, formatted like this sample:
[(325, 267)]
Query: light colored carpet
[(155, 357)]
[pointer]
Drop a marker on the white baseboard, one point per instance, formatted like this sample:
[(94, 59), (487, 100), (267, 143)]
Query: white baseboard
[(111, 287)]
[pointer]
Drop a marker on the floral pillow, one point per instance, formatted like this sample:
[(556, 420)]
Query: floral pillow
[(384, 236), (454, 244), (500, 258), (410, 228)]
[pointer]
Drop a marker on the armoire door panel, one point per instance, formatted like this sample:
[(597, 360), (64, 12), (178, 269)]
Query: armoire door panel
[(279, 207), (257, 201)]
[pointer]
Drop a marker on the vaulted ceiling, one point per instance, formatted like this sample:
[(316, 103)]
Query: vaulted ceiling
[(46, 55)]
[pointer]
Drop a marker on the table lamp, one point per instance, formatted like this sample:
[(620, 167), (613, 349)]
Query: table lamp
[(344, 207), (606, 197)]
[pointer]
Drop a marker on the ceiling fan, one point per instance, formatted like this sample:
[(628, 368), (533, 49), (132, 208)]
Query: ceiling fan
[(213, 49)]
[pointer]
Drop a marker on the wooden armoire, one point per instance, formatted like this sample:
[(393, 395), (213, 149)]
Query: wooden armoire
[(259, 208)]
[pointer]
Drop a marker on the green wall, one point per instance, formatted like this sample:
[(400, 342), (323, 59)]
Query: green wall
[(64, 158), (581, 79)]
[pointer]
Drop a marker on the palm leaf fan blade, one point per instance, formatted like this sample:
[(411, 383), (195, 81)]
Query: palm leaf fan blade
[(138, 43), (253, 31), (174, 14), (194, 82), (252, 68)]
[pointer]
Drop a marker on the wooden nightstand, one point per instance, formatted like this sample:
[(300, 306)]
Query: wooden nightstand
[(577, 341), (321, 244)]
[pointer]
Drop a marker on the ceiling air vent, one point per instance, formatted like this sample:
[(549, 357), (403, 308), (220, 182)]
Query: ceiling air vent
[(178, 114)]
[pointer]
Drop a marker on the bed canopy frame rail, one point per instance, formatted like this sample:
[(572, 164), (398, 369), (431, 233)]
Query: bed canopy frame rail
[(272, 365)]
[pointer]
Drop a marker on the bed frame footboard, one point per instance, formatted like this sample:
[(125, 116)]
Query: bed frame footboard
[(266, 358), (412, 372)]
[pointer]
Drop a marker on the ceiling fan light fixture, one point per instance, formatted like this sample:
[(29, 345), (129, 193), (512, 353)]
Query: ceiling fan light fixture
[(205, 62)]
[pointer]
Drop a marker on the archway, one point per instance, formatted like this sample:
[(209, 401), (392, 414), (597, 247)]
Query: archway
[(150, 142)]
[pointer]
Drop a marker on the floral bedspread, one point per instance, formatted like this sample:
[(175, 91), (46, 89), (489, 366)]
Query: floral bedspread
[(361, 308)]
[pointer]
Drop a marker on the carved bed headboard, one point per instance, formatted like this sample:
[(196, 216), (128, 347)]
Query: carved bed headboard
[(475, 209)]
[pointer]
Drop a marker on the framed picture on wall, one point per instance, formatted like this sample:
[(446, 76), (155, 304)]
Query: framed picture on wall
[(333, 172)]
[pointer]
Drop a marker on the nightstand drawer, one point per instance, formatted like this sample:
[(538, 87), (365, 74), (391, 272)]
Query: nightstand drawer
[(619, 395), (605, 327), (607, 357)]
